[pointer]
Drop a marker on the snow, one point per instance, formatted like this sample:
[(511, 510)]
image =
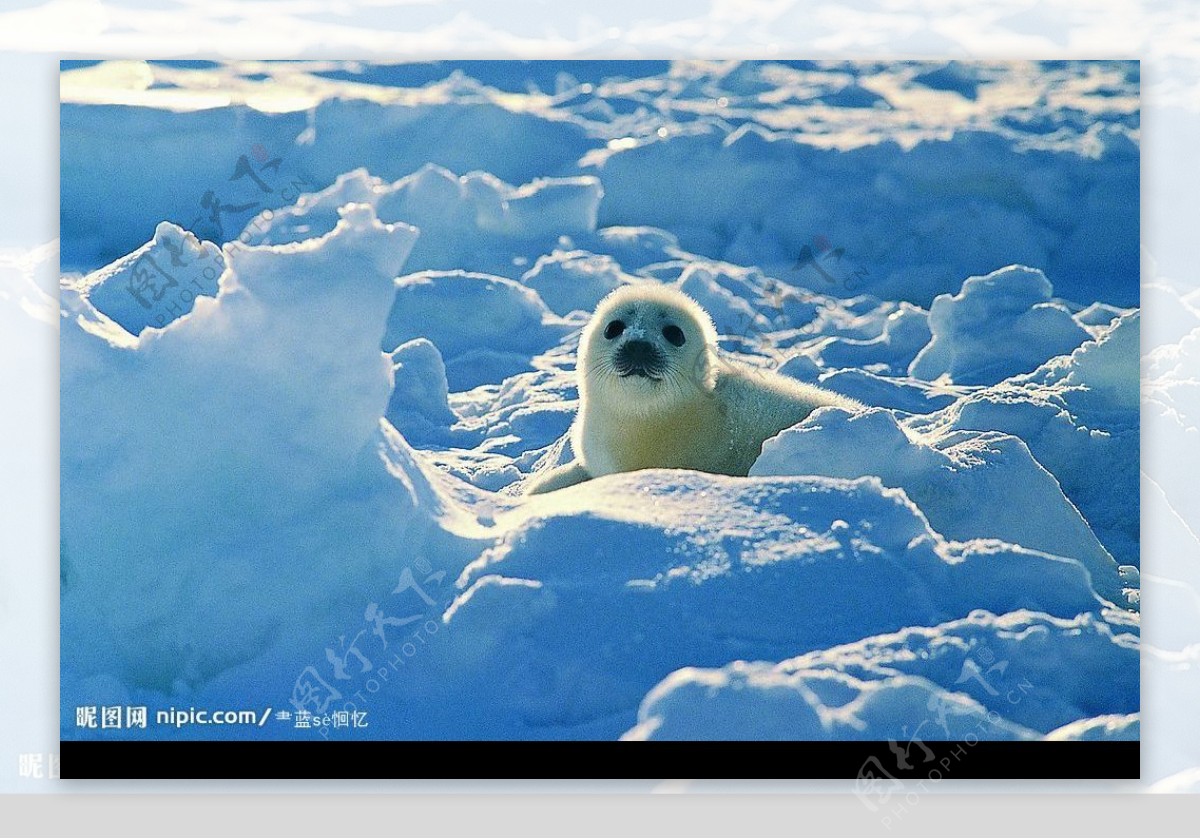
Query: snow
[(476, 217), (946, 476), (905, 333), (1001, 678), (731, 314), (157, 283), (189, 449), (1074, 412), (419, 406), (385, 352), (1107, 727), (820, 558), (744, 702), (574, 281), (1011, 307), (487, 328)]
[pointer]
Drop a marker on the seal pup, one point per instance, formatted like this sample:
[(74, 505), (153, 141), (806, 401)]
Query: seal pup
[(655, 393)]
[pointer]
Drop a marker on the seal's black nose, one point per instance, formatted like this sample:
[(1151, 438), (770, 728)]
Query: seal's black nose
[(639, 358), (639, 353)]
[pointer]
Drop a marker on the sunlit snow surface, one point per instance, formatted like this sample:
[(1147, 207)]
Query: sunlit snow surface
[(291, 466)]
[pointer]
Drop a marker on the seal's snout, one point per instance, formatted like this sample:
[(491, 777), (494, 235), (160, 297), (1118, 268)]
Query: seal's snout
[(639, 358), (639, 352)]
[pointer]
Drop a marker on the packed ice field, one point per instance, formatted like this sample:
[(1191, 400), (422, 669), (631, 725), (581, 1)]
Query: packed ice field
[(318, 329)]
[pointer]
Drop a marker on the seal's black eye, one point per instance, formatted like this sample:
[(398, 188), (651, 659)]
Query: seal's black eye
[(674, 335), (614, 329)]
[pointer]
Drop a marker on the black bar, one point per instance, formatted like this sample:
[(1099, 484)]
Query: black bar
[(591, 760)]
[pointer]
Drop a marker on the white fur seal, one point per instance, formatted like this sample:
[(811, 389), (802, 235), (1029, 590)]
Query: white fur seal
[(654, 393)]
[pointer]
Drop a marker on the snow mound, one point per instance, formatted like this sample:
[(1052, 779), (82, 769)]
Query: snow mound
[(419, 406), (636, 247), (912, 396), (599, 591), (1017, 676), (997, 326), (308, 148), (480, 213), (961, 78), (746, 193), (955, 479), (905, 333), (1103, 374), (1079, 416), (731, 314), (487, 328), (193, 452), (158, 282), (757, 702), (1107, 727), (569, 281), (476, 220), (314, 213)]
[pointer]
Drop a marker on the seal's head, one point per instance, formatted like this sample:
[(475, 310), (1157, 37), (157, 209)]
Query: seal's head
[(647, 348)]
